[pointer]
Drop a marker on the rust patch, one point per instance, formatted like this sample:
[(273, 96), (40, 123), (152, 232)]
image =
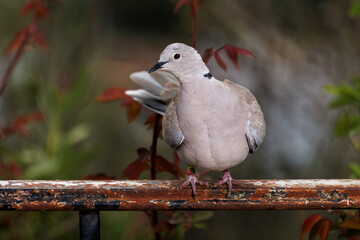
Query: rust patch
[(275, 194), (334, 195)]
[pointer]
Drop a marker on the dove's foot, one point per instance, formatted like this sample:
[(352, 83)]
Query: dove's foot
[(226, 179), (193, 180)]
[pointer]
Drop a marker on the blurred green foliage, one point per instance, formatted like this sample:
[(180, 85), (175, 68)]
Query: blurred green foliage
[(347, 98), (62, 149), (354, 10)]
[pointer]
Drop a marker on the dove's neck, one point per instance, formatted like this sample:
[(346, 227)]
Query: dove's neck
[(192, 85), (191, 74)]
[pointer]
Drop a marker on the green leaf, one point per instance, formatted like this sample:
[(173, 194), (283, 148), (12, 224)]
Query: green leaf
[(355, 170), (201, 226), (76, 134), (202, 216), (354, 9), (179, 233), (348, 124), (344, 95)]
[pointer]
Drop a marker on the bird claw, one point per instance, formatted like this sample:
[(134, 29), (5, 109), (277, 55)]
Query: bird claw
[(226, 179), (193, 180)]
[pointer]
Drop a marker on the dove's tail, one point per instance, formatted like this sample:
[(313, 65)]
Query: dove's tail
[(158, 90), (148, 100)]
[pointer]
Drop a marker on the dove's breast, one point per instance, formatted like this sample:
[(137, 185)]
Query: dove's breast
[(213, 119)]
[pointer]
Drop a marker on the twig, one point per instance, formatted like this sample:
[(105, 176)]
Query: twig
[(154, 146), (176, 159), (194, 30), (15, 60), (194, 37), (155, 215)]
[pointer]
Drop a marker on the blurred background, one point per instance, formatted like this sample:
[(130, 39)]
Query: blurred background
[(300, 47)]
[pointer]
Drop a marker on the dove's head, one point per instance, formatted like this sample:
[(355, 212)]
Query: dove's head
[(182, 61)]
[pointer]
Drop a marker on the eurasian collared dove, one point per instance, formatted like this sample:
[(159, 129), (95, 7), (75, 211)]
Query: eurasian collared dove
[(212, 124)]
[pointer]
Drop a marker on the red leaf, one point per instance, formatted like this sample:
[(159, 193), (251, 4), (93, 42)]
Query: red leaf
[(22, 130), (134, 169), (115, 93), (16, 42), (220, 61), (29, 6), (30, 117), (111, 94), (99, 176), (40, 39), (309, 224), (143, 154), (231, 52), (6, 132), (132, 108), (209, 52), (150, 122), (42, 11), (242, 51), (15, 170), (324, 229), (164, 165), (39, 7), (351, 223), (19, 124), (315, 230)]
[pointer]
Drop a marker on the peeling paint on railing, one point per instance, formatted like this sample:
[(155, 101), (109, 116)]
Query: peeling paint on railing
[(164, 195)]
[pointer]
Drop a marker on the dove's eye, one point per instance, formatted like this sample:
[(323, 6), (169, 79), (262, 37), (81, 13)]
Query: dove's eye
[(177, 56)]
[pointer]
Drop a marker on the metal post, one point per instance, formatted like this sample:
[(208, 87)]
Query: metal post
[(89, 225)]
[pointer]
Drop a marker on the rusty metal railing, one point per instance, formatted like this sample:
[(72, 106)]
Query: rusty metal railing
[(90, 197)]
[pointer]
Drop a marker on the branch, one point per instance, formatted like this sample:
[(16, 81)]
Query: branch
[(154, 146), (155, 215), (15, 60)]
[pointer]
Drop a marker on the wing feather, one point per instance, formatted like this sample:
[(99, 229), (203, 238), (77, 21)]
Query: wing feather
[(172, 133), (256, 127)]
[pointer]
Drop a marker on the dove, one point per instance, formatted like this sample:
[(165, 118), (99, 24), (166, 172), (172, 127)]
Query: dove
[(212, 124)]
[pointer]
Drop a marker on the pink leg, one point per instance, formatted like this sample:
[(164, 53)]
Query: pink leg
[(193, 180), (226, 179)]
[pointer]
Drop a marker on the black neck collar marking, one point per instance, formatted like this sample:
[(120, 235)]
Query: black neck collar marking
[(208, 75)]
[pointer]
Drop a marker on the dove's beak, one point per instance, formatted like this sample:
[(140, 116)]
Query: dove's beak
[(156, 67)]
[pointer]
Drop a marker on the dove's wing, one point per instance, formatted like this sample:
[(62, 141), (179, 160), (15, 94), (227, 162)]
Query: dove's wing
[(255, 130), (172, 133)]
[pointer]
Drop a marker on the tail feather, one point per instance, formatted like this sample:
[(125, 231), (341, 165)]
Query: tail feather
[(159, 88), (148, 100), (144, 80)]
